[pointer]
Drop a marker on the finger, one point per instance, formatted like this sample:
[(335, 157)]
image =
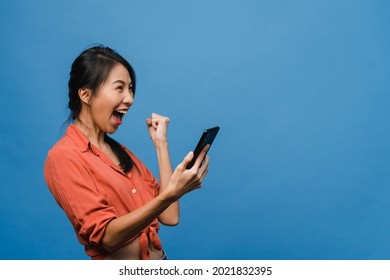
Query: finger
[(203, 175), (160, 118), (201, 155), (205, 164), (163, 120), (187, 159), (154, 122), (156, 117), (204, 168)]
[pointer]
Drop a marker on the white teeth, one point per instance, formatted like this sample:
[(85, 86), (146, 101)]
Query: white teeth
[(124, 112)]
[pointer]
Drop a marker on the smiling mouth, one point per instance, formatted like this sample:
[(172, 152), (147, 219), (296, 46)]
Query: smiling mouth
[(118, 115)]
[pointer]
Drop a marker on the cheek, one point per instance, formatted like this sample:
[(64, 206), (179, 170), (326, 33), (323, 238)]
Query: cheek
[(100, 109)]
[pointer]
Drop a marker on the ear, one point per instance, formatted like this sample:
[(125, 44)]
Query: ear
[(85, 95)]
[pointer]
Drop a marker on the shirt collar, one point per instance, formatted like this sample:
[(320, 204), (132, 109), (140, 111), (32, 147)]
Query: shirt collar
[(78, 137)]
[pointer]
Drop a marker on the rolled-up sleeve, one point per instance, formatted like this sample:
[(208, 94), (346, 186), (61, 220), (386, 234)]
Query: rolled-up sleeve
[(77, 194)]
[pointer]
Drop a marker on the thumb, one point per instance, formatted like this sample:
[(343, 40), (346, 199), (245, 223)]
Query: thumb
[(187, 159)]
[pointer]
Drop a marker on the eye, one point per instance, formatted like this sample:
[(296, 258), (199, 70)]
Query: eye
[(120, 88)]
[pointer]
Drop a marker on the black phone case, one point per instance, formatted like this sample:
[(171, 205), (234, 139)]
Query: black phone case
[(207, 137)]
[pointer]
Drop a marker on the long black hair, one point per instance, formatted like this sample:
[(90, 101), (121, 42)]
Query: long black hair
[(90, 70)]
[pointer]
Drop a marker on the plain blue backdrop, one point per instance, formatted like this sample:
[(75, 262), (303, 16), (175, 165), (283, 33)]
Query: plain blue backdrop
[(300, 89)]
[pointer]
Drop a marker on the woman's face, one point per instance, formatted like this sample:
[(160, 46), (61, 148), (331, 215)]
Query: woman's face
[(112, 100)]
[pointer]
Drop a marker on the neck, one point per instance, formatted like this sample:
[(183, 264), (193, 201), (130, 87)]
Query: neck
[(94, 134)]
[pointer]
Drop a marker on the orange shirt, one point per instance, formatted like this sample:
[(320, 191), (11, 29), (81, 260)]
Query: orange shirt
[(92, 190)]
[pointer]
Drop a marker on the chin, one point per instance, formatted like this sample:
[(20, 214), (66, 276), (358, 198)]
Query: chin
[(111, 130)]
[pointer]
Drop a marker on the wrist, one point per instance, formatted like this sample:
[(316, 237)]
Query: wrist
[(160, 143), (167, 197)]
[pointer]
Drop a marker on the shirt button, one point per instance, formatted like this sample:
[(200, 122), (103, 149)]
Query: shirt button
[(133, 190)]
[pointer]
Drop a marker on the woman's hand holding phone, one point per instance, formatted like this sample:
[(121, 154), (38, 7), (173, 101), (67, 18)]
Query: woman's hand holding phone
[(185, 180)]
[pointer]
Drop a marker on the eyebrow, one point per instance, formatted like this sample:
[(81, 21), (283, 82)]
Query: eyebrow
[(122, 82)]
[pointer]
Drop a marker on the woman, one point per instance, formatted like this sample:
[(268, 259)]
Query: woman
[(112, 200)]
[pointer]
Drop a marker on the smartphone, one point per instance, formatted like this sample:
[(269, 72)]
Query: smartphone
[(207, 137)]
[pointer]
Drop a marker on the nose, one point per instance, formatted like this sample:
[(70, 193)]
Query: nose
[(128, 98)]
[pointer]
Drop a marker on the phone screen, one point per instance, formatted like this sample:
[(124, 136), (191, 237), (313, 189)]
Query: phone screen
[(207, 137)]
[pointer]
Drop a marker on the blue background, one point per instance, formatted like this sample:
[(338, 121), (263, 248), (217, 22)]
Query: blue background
[(300, 168)]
